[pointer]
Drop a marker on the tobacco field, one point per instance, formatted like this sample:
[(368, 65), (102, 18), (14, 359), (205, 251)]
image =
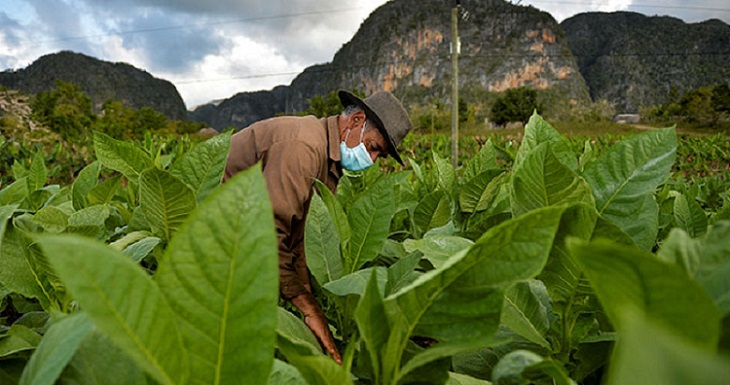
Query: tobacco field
[(543, 263)]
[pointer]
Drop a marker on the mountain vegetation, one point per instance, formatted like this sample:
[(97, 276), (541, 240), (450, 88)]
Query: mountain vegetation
[(100, 80), (635, 61)]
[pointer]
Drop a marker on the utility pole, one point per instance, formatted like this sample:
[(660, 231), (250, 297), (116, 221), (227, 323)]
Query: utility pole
[(455, 48)]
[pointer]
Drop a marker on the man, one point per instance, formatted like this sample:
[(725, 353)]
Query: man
[(294, 151)]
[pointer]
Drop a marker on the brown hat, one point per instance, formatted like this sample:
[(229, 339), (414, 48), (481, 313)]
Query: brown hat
[(387, 112)]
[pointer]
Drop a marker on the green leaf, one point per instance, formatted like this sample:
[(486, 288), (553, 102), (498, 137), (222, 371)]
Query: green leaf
[(17, 272), (537, 132), (165, 201), (438, 249), (484, 160), (86, 180), (339, 218), (14, 193), (434, 210), (124, 157), (624, 178), (18, 339), (295, 334), (446, 173), (320, 370), (374, 325), (99, 361), (285, 374), (526, 367), (479, 192), (52, 219), (541, 180), (55, 350), (142, 248), (123, 302), (527, 311), (369, 219), (707, 259), (219, 273), (202, 167), (626, 276), (355, 283), (689, 216), (37, 174), (104, 191), (322, 243), (647, 353), (463, 379)]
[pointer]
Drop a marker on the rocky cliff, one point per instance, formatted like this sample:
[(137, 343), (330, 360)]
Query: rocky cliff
[(634, 60), (100, 80), (404, 47)]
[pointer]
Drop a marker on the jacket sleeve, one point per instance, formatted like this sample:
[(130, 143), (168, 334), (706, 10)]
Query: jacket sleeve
[(289, 169)]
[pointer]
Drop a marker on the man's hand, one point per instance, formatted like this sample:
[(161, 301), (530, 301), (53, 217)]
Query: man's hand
[(315, 319)]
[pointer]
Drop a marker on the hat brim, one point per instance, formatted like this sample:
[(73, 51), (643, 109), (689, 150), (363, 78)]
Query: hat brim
[(347, 99)]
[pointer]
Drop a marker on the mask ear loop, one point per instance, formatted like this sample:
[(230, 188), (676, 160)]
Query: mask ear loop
[(364, 125)]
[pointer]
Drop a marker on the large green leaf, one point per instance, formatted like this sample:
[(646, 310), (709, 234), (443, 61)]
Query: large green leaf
[(537, 132), (293, 333), (37, 174), (647, 353), (369, 219), (322, 243), (17, 272), (52, 219), (124, 157), (219, 274), (437, 249), (56, 349), (689, 216), (434, 210), (445, 172), (165, 201), (14, 193), (626, 276), (624, 178), (285, 374), (86, 180), (99, 361), (202, 167), (18, 339), (541, 180), (484, 160), (339, 218), (526, 367), (479, 192), (123, 302), (104, 191), (527, 311), (459, 304), (707, 259)]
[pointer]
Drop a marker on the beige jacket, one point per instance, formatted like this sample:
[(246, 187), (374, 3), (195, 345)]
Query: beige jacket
[(293, 151)]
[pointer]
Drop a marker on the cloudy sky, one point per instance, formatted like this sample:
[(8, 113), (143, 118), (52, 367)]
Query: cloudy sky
[(212, 49)]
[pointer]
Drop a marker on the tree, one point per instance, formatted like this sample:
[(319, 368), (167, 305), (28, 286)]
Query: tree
[(515, 105), (66, 110)]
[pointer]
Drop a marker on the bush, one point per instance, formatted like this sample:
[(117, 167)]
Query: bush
[(516, 105)]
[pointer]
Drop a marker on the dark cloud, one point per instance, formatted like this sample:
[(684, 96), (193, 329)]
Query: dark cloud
[(9, 29), (690, 12), (170, 43)]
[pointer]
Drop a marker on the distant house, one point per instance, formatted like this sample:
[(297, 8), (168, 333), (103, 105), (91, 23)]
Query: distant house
[(627, 118)]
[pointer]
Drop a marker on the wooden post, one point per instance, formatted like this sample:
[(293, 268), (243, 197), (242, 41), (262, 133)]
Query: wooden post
[(455, 48)]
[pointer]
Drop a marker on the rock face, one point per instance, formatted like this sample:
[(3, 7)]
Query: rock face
[(100, 80), (404, 47), (242, 109), (634, 60)]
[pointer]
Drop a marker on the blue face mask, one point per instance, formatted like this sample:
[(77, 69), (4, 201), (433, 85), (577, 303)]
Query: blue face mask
[(356, 158)]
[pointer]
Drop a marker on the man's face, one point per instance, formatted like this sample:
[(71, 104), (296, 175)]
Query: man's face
[(374, 141)]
